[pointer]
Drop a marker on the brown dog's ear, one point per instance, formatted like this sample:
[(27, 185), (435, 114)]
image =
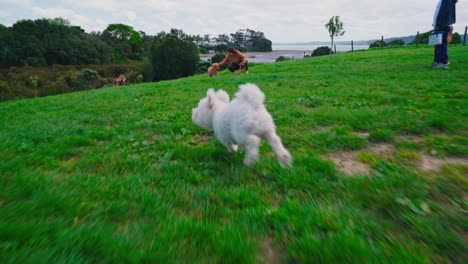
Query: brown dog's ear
[(211, 95)]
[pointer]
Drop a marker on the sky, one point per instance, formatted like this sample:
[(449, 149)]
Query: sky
[(282, 21)]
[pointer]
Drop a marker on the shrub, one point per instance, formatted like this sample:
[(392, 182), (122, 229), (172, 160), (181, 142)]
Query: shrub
[(221, 48), (397, 42), (218, 57), (87, 79), (282, 58), (378, 44), (6, 92), (322, 51), (202, 66), (26, 82), (203, 49)]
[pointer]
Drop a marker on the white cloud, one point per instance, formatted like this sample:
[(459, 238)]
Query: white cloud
[(3, 15), (5, 4), (281, 21), (74, 18)]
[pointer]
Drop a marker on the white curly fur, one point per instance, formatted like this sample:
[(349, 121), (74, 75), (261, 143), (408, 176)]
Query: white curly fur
[(243, 121)]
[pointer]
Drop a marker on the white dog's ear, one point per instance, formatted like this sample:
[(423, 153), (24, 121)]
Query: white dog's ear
[(211, 95), (222, 95)]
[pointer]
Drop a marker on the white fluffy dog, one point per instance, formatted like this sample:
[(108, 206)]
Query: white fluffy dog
[(243, 121)]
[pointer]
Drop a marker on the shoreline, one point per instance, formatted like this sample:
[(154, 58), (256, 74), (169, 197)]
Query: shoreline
[(271, 56), (266, 57)]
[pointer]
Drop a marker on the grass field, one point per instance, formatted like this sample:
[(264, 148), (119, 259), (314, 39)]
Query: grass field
[(121, 175)]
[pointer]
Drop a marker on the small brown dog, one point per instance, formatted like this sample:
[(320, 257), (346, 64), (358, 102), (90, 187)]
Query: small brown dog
[(213, 70), (120, 80)]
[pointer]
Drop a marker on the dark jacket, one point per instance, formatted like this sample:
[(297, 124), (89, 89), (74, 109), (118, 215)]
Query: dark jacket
[(446, 14)]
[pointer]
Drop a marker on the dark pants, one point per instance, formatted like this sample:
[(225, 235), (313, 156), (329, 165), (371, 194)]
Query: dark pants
[(441, 51), (235, 66)]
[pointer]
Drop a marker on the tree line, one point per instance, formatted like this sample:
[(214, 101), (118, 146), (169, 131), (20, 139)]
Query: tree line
[(30, 44), (45, 42)]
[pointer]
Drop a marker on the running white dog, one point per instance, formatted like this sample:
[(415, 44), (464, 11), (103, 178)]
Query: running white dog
[(243, 121)]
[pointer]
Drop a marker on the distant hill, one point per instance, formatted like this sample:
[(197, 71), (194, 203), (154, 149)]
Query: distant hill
[(407, 40)]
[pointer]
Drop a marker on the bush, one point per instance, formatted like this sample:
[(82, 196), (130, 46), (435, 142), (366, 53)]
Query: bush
[(378, 44), (6, 92), (202, 66), (221, 48), (87, 79), (424, 38), (282, 58), (322, 51), (397, 42), (218, 57), (27, 82), (204, 49)]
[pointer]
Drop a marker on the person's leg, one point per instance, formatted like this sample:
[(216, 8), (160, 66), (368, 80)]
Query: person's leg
[(436, 56), (444, 48), (233, 67)]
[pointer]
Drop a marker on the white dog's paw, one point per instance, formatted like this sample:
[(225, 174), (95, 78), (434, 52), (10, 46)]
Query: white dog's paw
[(232, 148), (285, 160), (249, 160)]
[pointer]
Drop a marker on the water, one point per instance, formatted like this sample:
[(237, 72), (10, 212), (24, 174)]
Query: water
[(292, 51), (312, 47)]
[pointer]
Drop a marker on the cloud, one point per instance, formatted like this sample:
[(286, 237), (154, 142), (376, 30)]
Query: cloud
[(281, 21), (75, 19), (6, 4)]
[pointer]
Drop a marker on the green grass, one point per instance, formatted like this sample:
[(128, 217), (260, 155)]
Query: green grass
[(122, 175)]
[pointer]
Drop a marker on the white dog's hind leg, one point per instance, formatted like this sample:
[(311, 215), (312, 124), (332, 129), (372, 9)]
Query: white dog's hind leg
[(252, 144), (284, 158), (232, 148)]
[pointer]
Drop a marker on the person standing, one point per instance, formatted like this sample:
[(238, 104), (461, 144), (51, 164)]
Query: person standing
[(444, 18)]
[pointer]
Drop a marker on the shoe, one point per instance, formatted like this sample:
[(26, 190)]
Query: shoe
[(441, 66)]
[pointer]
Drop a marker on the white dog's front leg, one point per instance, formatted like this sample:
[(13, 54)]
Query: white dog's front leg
[(284, 158), (252, 144)]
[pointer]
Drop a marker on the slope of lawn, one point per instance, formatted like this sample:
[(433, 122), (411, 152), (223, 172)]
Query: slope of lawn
[(122, 175)]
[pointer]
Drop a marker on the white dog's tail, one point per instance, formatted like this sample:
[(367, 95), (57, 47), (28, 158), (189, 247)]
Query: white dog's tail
[(250, 93)]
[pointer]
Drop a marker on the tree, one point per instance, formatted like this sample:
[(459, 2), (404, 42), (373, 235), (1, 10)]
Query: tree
[(44, 42), (250, 40), (125, 40), (223, 38), (238, 38), (262, 45), (335, 29), (174, 55)]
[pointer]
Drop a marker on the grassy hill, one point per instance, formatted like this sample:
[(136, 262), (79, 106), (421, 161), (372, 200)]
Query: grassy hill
[(379, 145)]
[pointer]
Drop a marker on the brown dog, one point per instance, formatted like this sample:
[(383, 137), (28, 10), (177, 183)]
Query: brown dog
[(213, 70), (120, 80)]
